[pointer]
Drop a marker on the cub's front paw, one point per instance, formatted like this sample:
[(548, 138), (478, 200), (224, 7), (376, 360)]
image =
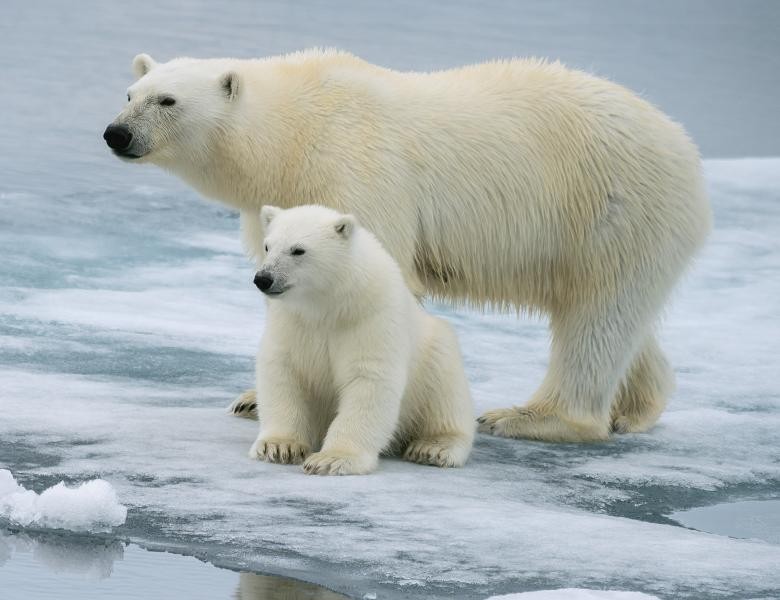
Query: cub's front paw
[(445, 451), (330, 462), (279, 450)]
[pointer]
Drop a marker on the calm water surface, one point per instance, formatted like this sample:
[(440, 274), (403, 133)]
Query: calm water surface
[(50, 566)]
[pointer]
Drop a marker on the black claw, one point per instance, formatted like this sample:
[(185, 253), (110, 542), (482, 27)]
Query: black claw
[(481, 419)]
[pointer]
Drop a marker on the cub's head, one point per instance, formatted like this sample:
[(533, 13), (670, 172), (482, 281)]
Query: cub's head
[(172, 109), (307, 252)]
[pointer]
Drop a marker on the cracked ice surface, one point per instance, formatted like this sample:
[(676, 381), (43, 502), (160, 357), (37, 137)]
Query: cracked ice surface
[(128, 321)]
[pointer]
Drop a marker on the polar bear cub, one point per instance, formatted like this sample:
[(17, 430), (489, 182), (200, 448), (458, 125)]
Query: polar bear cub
[(350, 364)]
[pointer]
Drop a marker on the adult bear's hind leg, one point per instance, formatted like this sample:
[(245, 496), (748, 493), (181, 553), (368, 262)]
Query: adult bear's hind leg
[(642, 396), (592, 347)]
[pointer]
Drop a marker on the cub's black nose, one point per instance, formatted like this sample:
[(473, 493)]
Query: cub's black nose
[(263, 282), (118, 137)]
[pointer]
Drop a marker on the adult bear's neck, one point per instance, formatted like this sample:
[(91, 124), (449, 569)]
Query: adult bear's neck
[(266, 152)]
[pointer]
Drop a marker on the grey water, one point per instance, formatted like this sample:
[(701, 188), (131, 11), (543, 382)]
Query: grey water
[(40, 566), (121, 295), (754, 519)]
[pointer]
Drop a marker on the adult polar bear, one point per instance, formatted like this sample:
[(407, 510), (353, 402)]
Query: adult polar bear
[(514, 184)]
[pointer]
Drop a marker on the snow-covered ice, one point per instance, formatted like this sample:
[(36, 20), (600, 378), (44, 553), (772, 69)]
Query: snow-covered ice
[(90, 506)]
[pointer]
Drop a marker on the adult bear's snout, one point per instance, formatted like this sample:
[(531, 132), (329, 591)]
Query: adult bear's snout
[(263, 281), (118, 137)]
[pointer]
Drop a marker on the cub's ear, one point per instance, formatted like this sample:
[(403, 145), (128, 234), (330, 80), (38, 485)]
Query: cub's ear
[(345, 225), (268, 213), (142, 64), (229, 83)]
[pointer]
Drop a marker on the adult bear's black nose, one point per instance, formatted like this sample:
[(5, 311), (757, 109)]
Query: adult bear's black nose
[(263, 281), (118, 137)]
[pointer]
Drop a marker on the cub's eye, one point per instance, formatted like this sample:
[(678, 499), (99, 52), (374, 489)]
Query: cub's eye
[(128, 97), (297, 251), (167, 101), (266, 247)]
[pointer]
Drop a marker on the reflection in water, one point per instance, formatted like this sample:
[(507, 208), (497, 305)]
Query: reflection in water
[(267, 587), (6, 551), (95, 559), (66, 566), (78, 555)]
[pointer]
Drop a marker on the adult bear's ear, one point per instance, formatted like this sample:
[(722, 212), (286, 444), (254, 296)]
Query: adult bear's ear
[(268, 213), (142, 64), (229, 83), (345, 225)]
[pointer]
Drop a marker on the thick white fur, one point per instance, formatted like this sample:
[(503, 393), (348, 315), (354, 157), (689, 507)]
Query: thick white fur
[(513, 184), (350, 364)]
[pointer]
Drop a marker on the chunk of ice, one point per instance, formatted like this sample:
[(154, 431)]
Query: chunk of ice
[(91, 505)]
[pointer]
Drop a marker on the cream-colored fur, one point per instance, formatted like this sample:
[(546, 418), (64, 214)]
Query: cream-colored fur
[(514, 184), (350, 365)]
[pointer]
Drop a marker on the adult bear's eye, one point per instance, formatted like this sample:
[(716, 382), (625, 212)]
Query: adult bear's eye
[(167, 101), (266, 247), (298, 251), (128, 97)]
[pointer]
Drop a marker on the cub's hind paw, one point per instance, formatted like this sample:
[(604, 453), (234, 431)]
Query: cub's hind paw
[(245, 405), (439, 452)]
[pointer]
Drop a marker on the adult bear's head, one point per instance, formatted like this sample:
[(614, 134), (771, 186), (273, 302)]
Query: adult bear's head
[(173, 109)]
